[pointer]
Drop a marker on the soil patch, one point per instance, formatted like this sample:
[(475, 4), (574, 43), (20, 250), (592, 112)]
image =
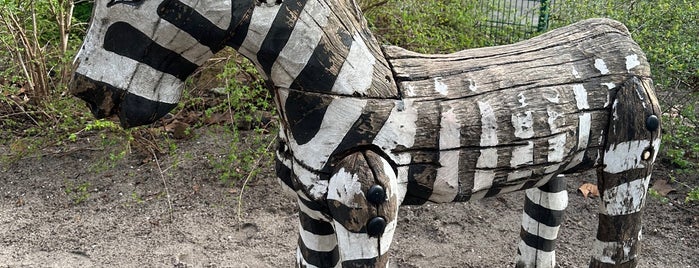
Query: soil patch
[(65, 209)]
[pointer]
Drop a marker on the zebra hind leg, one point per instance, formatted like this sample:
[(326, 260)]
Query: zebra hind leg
[(363, 200), (541, 219), (632, 143)]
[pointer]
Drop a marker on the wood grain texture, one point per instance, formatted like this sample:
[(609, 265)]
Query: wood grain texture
[(525, 111)]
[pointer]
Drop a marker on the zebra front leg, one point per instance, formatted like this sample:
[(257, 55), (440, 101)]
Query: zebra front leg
[(317, 245), (363, 199), (632, 143), (541, 219)]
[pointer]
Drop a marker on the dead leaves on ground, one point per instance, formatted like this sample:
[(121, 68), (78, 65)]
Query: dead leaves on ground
[(589, 189), (662, 187)]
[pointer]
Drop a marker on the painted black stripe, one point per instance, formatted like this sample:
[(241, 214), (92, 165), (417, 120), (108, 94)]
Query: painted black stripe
[(103, 99), (138, 111), (319, 258), (554, 185), (363, 131), (537, 242), (493, 191), (279, 33), (616, 228), (543, 215), (314, 226), (420, 183), (242, 13), (315, 206), (144, 50), (323, 67), (372, 262), (304, 113), (190, 21), (283, 173), (202, 29)]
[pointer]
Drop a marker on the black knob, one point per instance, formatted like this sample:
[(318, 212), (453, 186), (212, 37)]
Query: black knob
[(376, 194), (376, 226), (652, 123)]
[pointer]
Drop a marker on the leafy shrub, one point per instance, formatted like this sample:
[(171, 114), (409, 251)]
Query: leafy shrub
[(668, 33), (427, 27)]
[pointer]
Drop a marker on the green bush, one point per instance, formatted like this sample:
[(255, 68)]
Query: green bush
[(427, 27), (668, 32)]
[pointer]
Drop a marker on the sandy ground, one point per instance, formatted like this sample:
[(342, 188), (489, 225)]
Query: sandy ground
[(56, 210)]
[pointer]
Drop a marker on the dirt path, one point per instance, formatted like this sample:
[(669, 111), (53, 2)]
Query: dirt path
[(56, 211)]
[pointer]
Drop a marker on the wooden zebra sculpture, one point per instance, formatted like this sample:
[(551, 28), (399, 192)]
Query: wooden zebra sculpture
[(366, 128)]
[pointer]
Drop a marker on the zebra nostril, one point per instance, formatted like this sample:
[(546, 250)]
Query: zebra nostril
[(652, 123), (376, 194), (376, 226)]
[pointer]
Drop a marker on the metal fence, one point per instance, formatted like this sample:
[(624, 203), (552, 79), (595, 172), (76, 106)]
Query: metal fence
[(509, 21)]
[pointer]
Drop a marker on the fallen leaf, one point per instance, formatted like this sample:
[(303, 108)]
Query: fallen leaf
[(662, 187), (589, 189)]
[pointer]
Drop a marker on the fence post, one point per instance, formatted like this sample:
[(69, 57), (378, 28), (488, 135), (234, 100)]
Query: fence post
[(544, 12)]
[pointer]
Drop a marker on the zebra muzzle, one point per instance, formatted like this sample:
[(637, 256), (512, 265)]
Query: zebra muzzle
[(105, 100)]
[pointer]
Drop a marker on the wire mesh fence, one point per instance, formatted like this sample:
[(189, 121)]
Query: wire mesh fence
[(509, 21)]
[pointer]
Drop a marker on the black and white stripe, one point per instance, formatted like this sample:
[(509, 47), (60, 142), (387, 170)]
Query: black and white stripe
[(334, 98)]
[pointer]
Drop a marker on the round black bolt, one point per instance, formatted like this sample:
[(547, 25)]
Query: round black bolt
[(652, 123), (376, 226), (376, 194)]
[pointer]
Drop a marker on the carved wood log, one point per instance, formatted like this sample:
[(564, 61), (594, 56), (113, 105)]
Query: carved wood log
[(440, 128), (545, 100)]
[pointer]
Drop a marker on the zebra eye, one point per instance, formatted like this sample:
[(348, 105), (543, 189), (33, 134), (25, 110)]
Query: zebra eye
[(126, 2)]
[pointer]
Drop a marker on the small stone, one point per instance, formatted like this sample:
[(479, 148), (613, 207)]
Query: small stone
[(646, 155), (652, 123), (376, 226), (376, 194)]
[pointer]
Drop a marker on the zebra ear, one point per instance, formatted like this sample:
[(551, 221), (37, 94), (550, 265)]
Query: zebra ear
[(127, 2)]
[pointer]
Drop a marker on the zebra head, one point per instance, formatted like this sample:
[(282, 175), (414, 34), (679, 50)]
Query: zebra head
[(138, 53)]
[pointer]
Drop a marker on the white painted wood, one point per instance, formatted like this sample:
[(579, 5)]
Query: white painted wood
[(626, 198), (632, 62), (316, 215), (302, 42), (489, 125), (399, 129), (122, 72), (339, 118), (260, 22), (450, 130), (522, 155), (440, 86), (323, 243), (523, 123), (601, 66), (488, 158), (482, 180), (557, 148), (446, 184), (625, 156), (217, 11), (348, 242), (553, 201), (536, 258), (542, 230), (345, 187), (580, 96), (354, 72)]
